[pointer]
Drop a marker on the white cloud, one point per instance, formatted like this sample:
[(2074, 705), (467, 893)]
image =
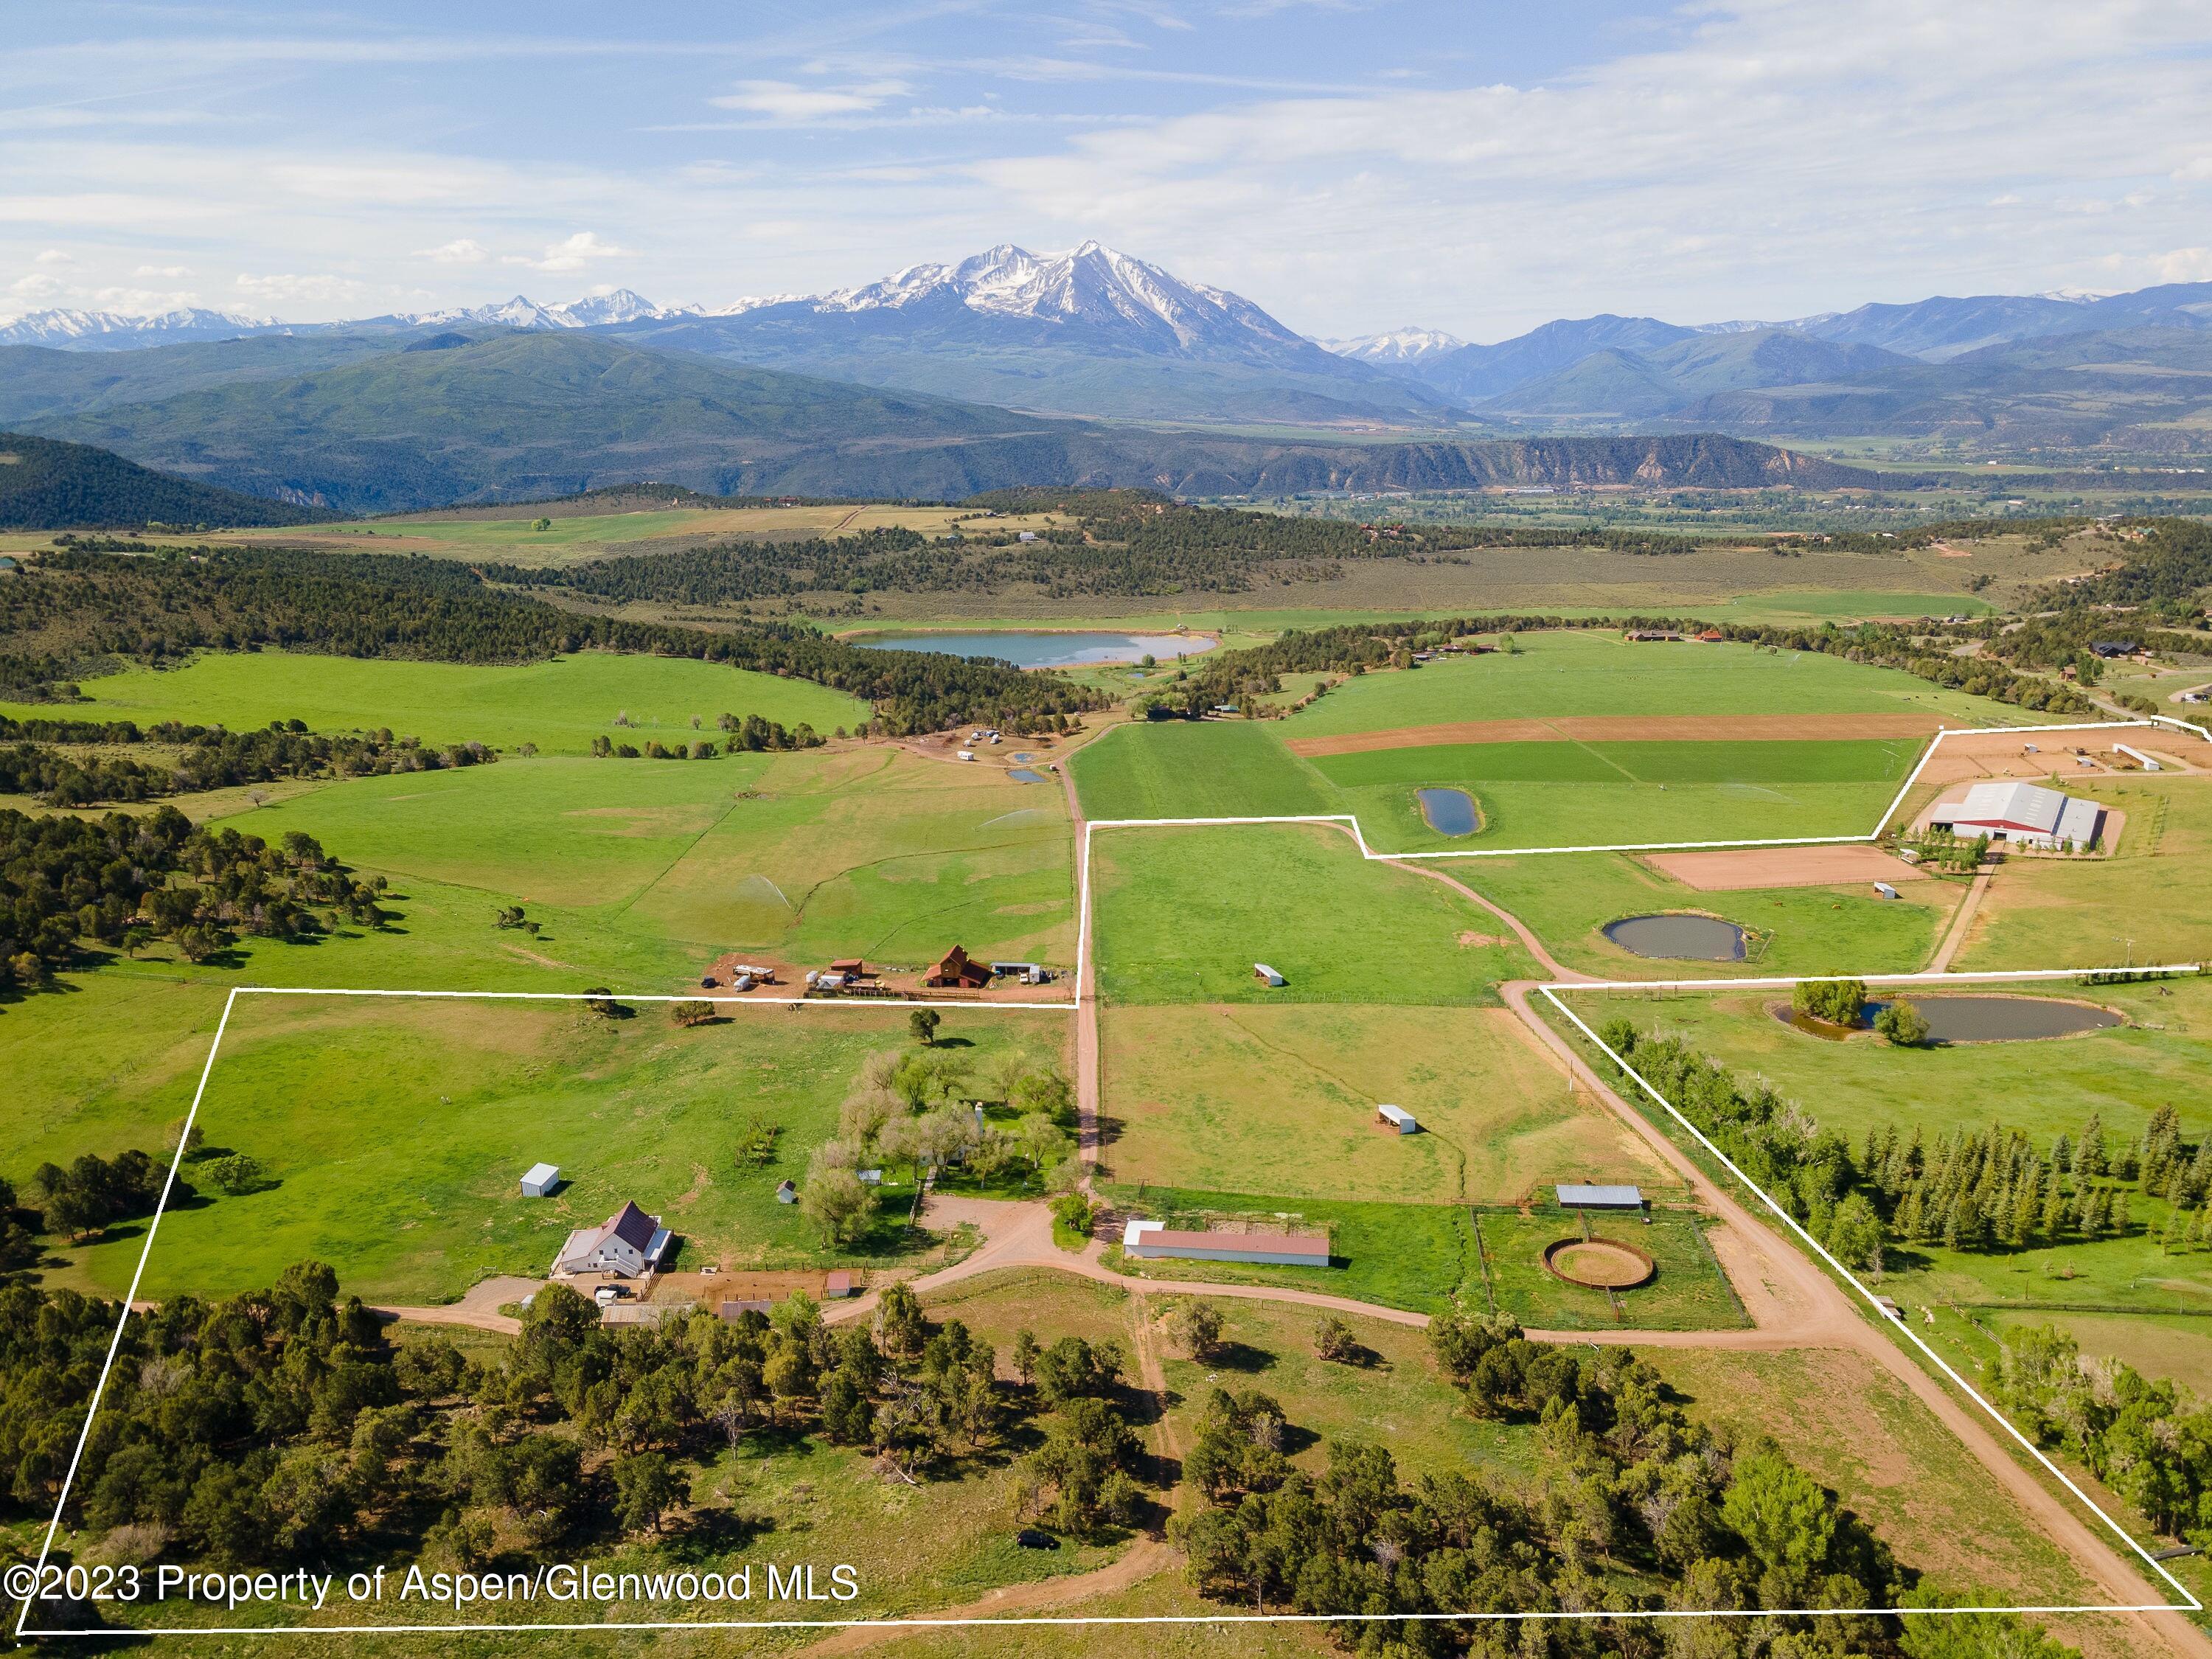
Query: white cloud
[(790, 101), (462, 251), (573, 254), (142, 301), (2184, 264), (53, 256), (293, 289), (39, 288), (172, 272)]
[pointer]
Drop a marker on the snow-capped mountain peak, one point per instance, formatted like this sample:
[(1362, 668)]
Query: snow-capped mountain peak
[(622, 306), (113, 330), (1090, 284), (1397, 345)]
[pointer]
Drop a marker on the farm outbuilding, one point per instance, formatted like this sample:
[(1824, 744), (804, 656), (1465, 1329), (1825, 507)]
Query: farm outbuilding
[(958, 970), (1577, 1195), (2025, 813), (1150, 1240), (539, 1180), (1267, 975), (1398, 1118), (786, 1192)]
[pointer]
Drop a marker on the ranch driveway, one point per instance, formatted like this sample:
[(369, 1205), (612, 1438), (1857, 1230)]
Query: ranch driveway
[(479, 1308)]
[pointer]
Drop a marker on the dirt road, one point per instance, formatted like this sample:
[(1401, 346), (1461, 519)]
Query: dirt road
[(479, 1309), (1962, 921)]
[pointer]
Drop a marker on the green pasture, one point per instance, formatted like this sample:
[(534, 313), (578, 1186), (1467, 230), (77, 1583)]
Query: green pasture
[(2151, 902), (1621, 814), (1566, 899), (1690, 1292), (2161, 1057), (1418, 1256), (1181, 914), (1196, 769), (1582, 673), (396, 1132), (870, 852), (560, 705), (1248, 1097), (1876, 760)]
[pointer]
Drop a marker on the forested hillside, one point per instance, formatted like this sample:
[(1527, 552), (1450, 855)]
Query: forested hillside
[(75, 608), (46, 485)]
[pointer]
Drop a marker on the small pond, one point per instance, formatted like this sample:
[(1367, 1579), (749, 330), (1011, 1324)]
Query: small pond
[(1679, 938), (1023, 774), (1448, 811), (1979, 1019), (2009, 1019), (1047, 650)]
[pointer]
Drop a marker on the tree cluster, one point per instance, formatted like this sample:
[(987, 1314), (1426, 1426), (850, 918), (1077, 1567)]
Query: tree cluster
[(2149, 1442), (282, 1425), (1632, 1507), (1973, 1189), (208, 757), (120, 881)]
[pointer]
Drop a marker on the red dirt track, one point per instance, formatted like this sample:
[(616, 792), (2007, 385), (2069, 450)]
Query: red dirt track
[(1728, 870)]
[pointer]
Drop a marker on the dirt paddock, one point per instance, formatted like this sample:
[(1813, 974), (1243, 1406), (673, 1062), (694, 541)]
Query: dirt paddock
[(1631, 728), (1727, 871)]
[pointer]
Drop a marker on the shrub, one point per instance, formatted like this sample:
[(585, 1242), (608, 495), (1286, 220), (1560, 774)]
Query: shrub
[(1832, 1001), (1902, 1025)]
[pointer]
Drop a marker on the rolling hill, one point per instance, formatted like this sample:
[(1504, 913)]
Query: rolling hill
[(46, 485), (509, 417)]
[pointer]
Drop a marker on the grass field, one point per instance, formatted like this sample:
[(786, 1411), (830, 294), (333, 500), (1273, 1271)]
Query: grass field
[(1568, 900), (1690, 1292), (870, 852), (1181, 914), (1186, 769), (1576, 673), (1395, 1396), (1281, 1101), (2150, 902), (1548, 793), (560, 705), (395, 1133), (1419, 1256)]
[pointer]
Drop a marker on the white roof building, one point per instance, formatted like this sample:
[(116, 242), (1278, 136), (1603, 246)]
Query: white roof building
[(2027, 813), (627, 1243)]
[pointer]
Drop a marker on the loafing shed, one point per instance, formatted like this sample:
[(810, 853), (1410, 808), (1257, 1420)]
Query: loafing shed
[(540, 1179), (1149, 1241), (1398, 1119)]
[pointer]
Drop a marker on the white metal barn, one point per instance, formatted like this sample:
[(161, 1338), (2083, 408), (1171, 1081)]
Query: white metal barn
[(2026, 813), (1398, 1118), (540, 1179)]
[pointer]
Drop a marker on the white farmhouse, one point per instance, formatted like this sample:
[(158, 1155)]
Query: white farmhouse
[(629, 1243)]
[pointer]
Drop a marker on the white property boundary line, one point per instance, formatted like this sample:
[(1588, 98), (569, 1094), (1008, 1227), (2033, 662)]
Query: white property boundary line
[(1875, 834), (2189, 1603), (1082, 977)]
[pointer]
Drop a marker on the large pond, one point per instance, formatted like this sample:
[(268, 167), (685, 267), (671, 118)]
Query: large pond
[(1048, 650), (1679, 938), (2009, 1019), (1448, 811)]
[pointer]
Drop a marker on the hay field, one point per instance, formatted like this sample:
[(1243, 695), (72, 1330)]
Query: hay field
[(560, 705), (845, 852), (1182, 916), (1538, 779), (1281, 1100)]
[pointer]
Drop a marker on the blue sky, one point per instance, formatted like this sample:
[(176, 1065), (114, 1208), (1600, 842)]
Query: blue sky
[(1478, 167)]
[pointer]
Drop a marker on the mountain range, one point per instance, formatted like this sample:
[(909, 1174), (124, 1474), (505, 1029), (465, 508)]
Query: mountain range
[(942, 378)]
